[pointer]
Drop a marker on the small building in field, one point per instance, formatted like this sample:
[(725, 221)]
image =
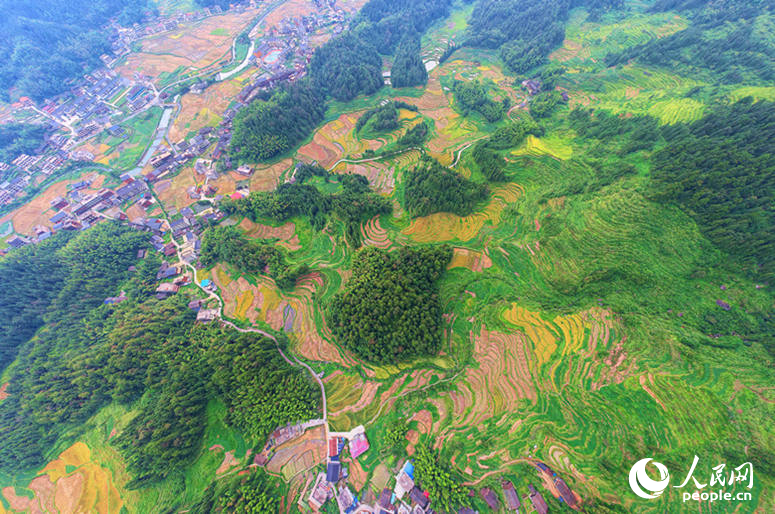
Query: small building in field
[(539, 504), (565, 493), (321, 492), (385, 502), (510, 495), (333, 470), (419, 497), (17, 241), (358, 445), (166, 290), (206, 315), (490, 498), (333, 447), (245, 170)]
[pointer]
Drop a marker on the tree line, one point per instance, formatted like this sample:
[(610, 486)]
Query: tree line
[(487, 153), (740, 49), (271, 126), (383, 118), (345, 67), (473, 96)]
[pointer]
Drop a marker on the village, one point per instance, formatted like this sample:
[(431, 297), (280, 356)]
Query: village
[(106, 102), (310, 446)]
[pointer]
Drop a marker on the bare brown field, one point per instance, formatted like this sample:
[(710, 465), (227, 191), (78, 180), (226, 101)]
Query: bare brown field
[(337, 139), (368, 392), (381, 176), (570, 50), (291, 8), (267, 177), (358, 476), (503, 376), (374, 235), (299, 454)]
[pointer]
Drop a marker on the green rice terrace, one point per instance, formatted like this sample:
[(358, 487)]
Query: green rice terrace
[(551, 259)]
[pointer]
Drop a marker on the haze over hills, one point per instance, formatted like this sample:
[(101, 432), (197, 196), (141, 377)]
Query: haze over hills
[(387, 256)]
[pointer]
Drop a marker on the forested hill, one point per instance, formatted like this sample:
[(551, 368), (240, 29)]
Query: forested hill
[(525, 31), (345, 67), (141, 353), (46, 43), (721, 169), (731, 40)]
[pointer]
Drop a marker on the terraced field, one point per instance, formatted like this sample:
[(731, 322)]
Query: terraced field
[(570, 307)]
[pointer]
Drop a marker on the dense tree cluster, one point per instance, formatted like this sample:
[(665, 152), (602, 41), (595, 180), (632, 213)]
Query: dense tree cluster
[(721, 169), (388, 22), (513, 134), (525, 31), (168, 430), (143, 353), (490, 163), (268, 128), (353, 205), (740, 49), (47, 44), (408, 68), (261, 390), (430, 187), (347, 66), (19, 138), (447, 492), (227, 244), (45, 385), (415, 136), (253, 493), (306, 171), (23, 306), (390, 310), (545, 103), (383, 118), (630, 134), (474, 96), (487, 152)]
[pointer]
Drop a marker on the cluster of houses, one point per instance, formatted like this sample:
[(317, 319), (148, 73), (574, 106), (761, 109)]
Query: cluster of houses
[(407, 496), (173, 158), (13, 188), (89, 102), (331, 485)]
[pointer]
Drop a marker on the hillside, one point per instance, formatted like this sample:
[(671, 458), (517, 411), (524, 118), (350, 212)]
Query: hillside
[(540, 259)]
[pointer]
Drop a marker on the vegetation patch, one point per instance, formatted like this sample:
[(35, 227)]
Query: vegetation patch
[(390, 310)]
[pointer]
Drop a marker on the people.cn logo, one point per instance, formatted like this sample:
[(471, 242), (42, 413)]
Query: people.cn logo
[(643, 485)]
